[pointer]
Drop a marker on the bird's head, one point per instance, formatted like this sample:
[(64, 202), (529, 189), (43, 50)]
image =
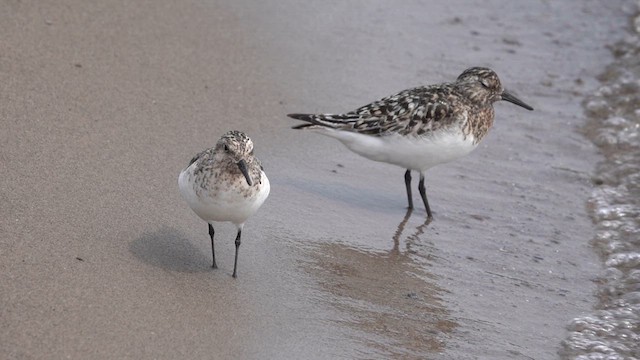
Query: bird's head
[(483, 86), (236, 147)]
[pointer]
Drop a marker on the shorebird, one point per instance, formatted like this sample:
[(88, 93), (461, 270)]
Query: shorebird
[(421, 127), (225, 183)]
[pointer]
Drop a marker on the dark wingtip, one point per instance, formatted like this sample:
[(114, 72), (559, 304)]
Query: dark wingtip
[(309, 118), (302, 126), (195, 158), (303, 117)]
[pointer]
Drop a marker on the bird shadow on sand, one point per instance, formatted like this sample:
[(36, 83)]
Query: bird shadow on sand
[(169, 249)]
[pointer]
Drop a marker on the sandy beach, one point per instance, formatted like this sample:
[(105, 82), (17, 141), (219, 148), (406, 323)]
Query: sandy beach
[(103, 103)]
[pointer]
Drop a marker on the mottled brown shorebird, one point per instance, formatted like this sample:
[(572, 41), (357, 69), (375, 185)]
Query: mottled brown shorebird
[(421, 127), (225, 183)]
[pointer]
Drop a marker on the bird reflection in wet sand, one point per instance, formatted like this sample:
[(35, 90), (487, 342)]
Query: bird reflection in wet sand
[(413, 237), (421, 127), (388, 297)]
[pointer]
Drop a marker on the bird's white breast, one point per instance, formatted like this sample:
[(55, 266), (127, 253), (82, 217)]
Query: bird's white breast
[(216, 202), (409, 152)]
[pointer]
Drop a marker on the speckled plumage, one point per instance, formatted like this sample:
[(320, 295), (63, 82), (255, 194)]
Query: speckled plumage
[(421, 127), (225, 183)]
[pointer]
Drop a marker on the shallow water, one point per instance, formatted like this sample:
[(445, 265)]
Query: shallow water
[(612, 331)]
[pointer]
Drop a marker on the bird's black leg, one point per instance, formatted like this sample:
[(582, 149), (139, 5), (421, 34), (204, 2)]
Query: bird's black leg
[(213, 251), (407, 183), (423, 193), (235, 263)]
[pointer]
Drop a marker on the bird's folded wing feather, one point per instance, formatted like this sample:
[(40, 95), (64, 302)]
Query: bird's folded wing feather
[(414, 111)]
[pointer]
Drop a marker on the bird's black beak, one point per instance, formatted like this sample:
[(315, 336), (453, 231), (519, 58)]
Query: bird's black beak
[(507, 96), (242, 165)]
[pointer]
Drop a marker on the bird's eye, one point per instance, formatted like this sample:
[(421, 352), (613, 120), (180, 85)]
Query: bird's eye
[(484, 83), (226, 148)]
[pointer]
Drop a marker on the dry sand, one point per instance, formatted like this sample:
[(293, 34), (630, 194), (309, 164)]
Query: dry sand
[(103, 103)]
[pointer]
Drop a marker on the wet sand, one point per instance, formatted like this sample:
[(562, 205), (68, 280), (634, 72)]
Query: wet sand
[(103, 105)]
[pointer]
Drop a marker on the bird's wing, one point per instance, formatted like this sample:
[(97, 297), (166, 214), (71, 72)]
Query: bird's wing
[(413, 111), (200, 155)]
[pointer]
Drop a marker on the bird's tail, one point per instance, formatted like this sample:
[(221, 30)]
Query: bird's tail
[(331, 121)]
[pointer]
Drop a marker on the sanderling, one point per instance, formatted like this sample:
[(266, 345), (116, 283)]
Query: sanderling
[(225, 183), (421, 127)]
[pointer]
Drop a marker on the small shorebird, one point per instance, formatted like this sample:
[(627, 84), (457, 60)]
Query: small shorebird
[(225, 183), (421, 127)]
